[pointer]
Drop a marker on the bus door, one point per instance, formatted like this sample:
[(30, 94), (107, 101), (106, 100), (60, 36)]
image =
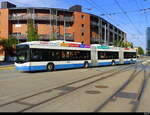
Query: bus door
[(121, 56), (94, 55)]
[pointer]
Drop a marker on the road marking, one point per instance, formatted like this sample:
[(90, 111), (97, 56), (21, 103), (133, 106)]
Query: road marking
[(145, 62), (7, 68)]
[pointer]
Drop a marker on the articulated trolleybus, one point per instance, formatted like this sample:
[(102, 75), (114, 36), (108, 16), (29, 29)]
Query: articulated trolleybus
[(54, 55)]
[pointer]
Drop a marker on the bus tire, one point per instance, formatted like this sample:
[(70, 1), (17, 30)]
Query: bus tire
[(131, 61), (50, 67), (86, 64), (113, 63)]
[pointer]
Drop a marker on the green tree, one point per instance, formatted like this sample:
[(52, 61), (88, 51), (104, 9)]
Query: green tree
[(131, 45), (121, 43), (118, 43), (124, 45), (53, 37), (140, 51), (32, 32), (9, 46), (127, 45)]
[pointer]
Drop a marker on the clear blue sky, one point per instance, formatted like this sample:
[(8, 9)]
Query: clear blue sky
[(133, 23)]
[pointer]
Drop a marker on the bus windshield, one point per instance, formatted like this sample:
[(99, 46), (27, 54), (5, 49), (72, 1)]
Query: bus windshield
[(22, 53)]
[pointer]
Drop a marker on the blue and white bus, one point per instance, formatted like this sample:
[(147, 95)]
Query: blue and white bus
[(54, 55)]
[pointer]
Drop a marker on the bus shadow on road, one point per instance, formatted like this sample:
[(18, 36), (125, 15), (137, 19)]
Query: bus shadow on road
[(45, 71), (69, 69)]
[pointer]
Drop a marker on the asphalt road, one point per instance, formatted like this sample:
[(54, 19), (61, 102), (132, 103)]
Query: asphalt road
[(45, 91), (9, 72)]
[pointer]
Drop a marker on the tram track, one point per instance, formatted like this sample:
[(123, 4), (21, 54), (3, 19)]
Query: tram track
[(102, 107), (112, 72), (19, 101), (141, 90), (76, 88)]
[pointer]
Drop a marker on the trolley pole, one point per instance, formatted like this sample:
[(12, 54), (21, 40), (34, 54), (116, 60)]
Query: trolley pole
[(64, 29), (50, 18), (99, 31), (105, 39)]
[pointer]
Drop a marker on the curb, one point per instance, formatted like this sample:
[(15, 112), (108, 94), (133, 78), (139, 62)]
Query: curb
[(2, 66)]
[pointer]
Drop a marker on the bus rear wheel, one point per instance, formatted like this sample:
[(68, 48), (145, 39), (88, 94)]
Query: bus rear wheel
[(86, 65), (131, 61), (113, 63), (50, 67)]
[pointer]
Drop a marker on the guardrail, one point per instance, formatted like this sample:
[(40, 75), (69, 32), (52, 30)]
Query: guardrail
[(45, 37), (36, 17)]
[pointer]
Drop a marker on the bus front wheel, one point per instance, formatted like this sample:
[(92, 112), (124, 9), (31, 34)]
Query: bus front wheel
[(50, 67), (86, 65)]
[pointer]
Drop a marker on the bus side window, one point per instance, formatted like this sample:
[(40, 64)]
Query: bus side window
[(54, 55), (62, 55), (46, 55), (67, 55), (71, 55), (36, 55), (57, 55), (75, 55)]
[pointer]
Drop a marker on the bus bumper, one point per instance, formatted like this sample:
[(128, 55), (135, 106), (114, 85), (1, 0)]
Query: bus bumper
[(23, 68)]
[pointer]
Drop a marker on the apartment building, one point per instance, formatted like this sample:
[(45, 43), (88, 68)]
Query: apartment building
[(62, 24), (148, 41)]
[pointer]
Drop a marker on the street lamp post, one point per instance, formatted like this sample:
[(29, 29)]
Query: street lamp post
[(64, 29), (105, 39)]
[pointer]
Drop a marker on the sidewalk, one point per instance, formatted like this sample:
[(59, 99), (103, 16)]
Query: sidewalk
[(144, 105), (3, 64)]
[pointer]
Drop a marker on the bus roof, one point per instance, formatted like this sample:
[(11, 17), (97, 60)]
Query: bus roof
[(58, 43), (47, 42), (74, 45)]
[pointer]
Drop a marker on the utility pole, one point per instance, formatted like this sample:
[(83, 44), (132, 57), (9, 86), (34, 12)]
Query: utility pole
[(64, 29), (56, 24), (18, 29), (33, 16), (105, 39), (99, 31), (50, 14)]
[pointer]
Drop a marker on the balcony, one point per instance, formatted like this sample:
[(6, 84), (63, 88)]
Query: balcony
[(95, 40), (44, 37), (19, 36), (41, 18), (95, 23)]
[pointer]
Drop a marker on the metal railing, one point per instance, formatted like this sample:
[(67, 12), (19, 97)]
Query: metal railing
[(94, 40), (19, 36), (44, 18), (95, 23), (99, 40), (45, 37)]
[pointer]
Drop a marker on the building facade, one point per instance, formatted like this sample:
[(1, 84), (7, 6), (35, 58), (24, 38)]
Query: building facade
[(148, 41), (61, 24)]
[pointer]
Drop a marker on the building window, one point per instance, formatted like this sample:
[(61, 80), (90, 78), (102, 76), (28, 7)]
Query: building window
[(68, 25), (82, 16), (82, 34), (17, 25), (16, 33), (82, 25)]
